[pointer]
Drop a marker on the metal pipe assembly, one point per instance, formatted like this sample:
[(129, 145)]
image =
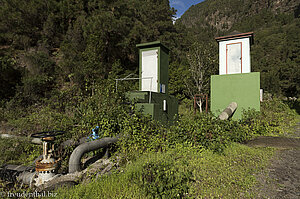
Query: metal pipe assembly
[(46, 165), (13, 173), (228, 112), (75, 158)]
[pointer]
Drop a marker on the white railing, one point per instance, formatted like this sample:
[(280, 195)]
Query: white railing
[(136, 78)]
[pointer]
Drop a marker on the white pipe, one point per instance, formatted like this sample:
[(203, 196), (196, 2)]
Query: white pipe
[(33, 140), (228, 111)]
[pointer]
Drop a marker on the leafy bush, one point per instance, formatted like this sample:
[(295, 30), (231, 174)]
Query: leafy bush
[(278, 115), (158, 181), (275, 119), (42, 119), (140, 134), (163, 176), (202, 130), (294, 104), (27, 152)]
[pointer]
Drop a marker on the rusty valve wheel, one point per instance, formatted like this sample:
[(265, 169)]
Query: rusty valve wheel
[(47, 134), (47, 165)]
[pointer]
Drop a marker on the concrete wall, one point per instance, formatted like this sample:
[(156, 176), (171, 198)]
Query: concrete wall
[(244, 89)]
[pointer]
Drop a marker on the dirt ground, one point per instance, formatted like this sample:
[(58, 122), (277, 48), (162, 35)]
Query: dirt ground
[(281, 180)]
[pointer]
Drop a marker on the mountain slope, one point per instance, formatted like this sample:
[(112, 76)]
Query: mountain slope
[(222, 15)]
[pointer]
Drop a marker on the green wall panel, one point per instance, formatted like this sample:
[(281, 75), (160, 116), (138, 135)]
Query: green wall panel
[(155, 107), (164, 73), (244, 89)]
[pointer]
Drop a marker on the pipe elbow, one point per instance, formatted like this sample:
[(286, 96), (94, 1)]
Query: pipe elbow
[(79, 151)]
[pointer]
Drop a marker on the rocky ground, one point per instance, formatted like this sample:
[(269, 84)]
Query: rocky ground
[(281, 180)]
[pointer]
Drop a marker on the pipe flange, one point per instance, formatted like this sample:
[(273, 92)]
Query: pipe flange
[(46, 167)]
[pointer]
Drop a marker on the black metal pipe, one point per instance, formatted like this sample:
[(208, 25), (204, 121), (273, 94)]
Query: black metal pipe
[(75, 158)]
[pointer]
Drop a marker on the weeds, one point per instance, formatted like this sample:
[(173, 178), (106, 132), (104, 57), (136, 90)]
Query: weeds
[(180, 172)]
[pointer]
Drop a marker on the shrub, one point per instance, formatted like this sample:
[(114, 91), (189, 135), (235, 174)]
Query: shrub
[(203, 130), (162, 175), (26, 151)]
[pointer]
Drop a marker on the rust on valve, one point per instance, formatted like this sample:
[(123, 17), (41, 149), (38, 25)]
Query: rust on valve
[(39, 166), (48, 139)]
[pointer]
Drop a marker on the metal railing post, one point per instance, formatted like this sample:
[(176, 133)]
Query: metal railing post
[(150, 95)]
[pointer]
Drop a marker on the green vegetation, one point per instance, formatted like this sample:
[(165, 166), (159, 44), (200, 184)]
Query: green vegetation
[(156, 161), (26, 150), (80, 43), (59, 61), (196, 158), (182, 172)]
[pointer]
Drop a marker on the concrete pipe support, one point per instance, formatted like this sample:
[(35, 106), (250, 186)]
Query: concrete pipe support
[(228, 112)]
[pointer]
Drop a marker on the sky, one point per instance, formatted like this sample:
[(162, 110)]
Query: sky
[(182, 5)]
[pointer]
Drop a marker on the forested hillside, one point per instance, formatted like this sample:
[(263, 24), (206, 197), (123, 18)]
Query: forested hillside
[(49, 46), (276, 26)]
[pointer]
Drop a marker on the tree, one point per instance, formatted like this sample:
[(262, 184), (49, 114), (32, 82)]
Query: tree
[(202, 59), (21, 21), (106, 32), (38, 79), (9, 77)]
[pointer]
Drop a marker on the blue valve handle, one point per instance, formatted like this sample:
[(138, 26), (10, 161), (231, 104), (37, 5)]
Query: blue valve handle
[(94, 134)]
